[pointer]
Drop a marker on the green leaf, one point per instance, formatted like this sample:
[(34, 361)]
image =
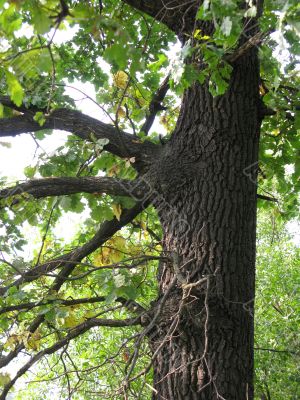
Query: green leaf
[(14, 88), (29, 171), (42, 23), (4, 378), (117, 55), (39, 117)]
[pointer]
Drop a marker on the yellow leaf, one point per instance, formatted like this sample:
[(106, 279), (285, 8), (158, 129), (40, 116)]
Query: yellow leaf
[(12, 342), (262, 90), (119, 242), (114, 170), (143, 225), (121, 112), (115, 256), (33, 342), (164, 121), (121, 79), (70, 321), (106, 255), (89, 314), (98, 259), (117, 210), (276, 132), (4, 379), (197, 33)]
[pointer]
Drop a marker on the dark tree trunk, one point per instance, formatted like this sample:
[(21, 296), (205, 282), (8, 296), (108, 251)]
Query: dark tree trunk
[(206, 185)]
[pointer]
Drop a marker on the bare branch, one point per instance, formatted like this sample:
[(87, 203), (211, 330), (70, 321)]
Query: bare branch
[(276, 351), (39, 188), (253, 41)]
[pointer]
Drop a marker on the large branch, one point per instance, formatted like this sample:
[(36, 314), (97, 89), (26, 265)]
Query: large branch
[(107, 229), (131, 305), (68, 261), (178, 15), (40, 188), (73, 333), (120, 143)]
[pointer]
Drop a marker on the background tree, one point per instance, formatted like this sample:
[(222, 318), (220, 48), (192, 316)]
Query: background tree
[(166, 252)]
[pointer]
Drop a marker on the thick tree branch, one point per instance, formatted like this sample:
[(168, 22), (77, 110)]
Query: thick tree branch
[(73, 333), (130, 304), (177, 15), (40, 188), (68, 261), (120, 143), (107, 229), (6, 101)]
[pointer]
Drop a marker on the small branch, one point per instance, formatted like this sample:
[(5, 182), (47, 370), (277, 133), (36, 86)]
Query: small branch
[(261, 196), (254, 41), (276, 351), (130, 304), (155, 105)]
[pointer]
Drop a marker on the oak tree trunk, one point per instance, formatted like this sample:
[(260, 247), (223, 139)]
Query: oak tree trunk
[(206, 199)]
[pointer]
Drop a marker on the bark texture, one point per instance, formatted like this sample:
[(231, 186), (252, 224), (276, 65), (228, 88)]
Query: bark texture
[(203, 185), (206, 181)]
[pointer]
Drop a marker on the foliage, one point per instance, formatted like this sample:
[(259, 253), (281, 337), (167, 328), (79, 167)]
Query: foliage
[(125, 56), (277, 312)]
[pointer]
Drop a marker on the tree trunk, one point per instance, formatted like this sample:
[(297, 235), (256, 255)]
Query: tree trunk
[(206, 200)]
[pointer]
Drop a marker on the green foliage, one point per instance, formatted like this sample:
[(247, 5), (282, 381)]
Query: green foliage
[(124, 56), (277, 313)]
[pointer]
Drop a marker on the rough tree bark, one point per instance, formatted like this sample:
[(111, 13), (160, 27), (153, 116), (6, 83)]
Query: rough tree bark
[(209, 228), (205, 183)]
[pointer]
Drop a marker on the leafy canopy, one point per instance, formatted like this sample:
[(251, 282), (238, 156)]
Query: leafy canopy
[(47, 46)]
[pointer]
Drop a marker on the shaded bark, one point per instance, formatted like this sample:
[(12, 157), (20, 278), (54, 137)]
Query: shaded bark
[(206, 182), (203, 186), (87, 128), (40, 188), (177, 15)]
